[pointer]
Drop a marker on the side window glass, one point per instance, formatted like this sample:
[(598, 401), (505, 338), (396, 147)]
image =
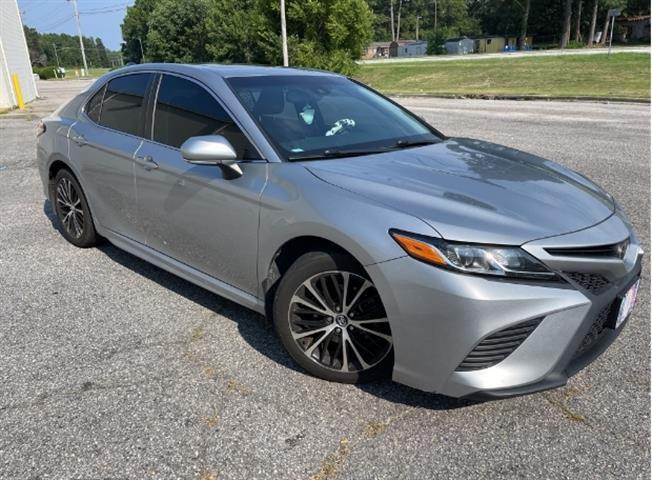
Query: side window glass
[(94, 106), (185, 109), (123, 107)]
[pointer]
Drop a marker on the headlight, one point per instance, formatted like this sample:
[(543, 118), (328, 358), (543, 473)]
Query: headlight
[(471, 258)]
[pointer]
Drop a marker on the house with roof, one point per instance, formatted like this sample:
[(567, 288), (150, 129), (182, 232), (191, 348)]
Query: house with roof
[(635, 28)]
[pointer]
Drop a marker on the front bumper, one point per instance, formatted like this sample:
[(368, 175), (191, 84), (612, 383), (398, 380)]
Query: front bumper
[(438, 317)]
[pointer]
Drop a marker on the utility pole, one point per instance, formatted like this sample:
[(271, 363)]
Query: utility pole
[(417, 32), (142, 52), (56, 55), (435, 18), (391, 16), (284, 35), (81, 41)]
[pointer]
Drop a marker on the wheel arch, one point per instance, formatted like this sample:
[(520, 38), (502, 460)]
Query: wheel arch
[(286, 254), (55, 165)]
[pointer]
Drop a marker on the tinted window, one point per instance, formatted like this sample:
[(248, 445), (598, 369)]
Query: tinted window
[(185, 109), (123, 107), (94, 106)]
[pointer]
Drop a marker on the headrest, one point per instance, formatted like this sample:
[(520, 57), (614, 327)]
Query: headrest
[(270, 102)]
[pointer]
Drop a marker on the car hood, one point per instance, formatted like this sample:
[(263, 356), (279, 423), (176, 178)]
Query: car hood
[(474, 191)]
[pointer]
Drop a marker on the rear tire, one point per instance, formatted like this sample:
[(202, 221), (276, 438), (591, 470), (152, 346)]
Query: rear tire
[(330, 319), (72, 210)]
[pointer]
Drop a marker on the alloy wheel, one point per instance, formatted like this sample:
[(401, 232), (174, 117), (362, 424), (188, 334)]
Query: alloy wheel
[(337, 319), (70, 208)]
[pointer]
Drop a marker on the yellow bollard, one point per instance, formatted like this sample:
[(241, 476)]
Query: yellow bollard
[(18, 91)]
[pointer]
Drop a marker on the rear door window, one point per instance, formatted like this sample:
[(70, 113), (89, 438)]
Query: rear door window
[(185, 109), (123, 107)]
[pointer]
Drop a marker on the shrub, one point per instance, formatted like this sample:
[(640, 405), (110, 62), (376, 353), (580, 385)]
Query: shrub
[(46, 73), (575, 44)]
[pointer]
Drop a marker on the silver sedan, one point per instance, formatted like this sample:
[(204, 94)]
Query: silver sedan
[(374, 243)]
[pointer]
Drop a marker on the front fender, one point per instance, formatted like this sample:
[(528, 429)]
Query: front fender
[(295, 204)]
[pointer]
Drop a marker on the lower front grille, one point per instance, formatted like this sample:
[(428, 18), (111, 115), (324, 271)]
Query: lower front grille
[(593, 282), (498, 346), (598, 328)]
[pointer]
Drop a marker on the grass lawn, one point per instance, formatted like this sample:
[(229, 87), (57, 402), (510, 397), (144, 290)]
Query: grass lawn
[(97, 72), (622, 75)]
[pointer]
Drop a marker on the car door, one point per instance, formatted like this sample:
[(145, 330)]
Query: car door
[(102, 146), (198, 214)]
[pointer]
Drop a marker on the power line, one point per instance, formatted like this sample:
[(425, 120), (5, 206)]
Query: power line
[(56, 23), (106, 9)]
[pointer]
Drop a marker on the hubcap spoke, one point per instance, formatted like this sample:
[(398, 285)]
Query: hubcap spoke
[(316, 343), (302, 301), (308, 285), (69, 206), (345, 356), (373, 332), (375, 320), (307, 333), (357, 296), (361, 360)]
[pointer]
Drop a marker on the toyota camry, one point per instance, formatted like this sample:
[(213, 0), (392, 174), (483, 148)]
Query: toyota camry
[(375, 244)]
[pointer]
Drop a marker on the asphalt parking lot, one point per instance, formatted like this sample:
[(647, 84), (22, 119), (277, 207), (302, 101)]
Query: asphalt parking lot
[(112, 368)]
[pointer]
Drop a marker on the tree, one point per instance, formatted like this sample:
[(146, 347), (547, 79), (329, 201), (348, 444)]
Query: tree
[(326, 34), (578, 22), (135, 28), (45, 48), (524, 19), (566, 23), (233, 31), (607, 5), (36, 53), (176, 32), (102, 56), (594, 18)]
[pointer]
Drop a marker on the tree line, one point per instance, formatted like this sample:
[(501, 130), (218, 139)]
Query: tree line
[(552, 22), (326, 34), (60, 49), (331, 34)]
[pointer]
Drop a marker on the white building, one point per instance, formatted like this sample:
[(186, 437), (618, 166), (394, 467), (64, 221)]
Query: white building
[(14, 56)]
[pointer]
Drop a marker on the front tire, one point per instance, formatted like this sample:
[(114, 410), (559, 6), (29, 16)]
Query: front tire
[(331, 320), (72, 210)]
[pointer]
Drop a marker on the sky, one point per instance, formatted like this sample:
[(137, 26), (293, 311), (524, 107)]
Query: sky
[(98, 18)]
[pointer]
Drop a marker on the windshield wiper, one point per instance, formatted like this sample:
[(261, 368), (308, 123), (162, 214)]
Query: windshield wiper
[(362, 151), (413, 143), (338, 154)]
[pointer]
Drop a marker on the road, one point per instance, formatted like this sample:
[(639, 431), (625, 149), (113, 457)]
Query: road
[(517, 54), (112, 368)]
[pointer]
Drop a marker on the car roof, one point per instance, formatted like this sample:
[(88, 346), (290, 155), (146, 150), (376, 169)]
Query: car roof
[(225, 71)]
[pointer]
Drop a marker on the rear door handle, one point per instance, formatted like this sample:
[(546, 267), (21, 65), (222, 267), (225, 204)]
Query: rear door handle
[(147, 162), (79, 140)]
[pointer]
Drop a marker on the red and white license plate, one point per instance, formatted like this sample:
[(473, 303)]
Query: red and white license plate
[(627, 304)]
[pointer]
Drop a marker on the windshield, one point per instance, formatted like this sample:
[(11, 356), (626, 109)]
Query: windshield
[(312, 117)]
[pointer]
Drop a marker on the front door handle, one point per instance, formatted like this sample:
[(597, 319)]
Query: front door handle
[(147, 162), (79, 140)]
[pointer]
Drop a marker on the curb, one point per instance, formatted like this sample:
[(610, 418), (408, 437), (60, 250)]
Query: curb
[(542, 98)]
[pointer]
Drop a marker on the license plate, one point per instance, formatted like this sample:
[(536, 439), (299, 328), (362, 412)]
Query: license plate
[(627, 304)]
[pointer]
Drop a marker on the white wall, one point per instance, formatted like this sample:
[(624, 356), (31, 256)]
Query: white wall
[(14, 56)]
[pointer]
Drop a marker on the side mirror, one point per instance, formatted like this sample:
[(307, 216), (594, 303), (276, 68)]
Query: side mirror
[(211, 150)]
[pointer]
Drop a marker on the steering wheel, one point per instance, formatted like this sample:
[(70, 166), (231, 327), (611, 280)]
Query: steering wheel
[(341, 126)]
